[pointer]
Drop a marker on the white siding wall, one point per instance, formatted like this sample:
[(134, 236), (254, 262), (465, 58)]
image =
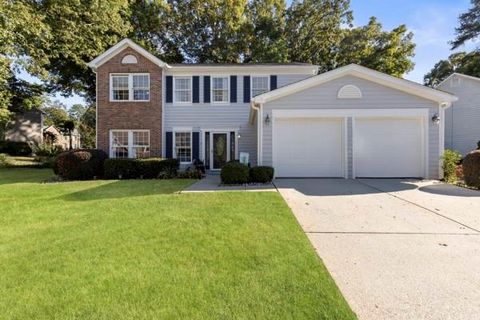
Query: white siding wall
[(233, 116), (374, 97), (462, 120)]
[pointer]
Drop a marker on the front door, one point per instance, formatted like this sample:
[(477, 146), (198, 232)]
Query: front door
[(219, 150)]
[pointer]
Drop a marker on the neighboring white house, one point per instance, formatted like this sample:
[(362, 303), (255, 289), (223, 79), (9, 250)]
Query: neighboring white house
[(348, 123), (462, 120)]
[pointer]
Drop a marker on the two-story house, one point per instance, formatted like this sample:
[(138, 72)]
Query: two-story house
[(349, 122)]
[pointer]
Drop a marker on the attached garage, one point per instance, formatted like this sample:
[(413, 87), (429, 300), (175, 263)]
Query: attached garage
[(388, 147), (351, 122), (309, 147)]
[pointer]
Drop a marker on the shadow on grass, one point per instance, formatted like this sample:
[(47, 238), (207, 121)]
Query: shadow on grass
[(11, 175), (118, 189)]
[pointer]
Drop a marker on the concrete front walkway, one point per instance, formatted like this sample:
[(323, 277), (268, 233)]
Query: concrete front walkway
[(396, 249)]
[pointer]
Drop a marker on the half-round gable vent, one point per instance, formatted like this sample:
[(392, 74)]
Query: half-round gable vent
[(349, 92), (129, 59)]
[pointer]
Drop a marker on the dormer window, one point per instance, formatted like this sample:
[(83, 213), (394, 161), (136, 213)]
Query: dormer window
[(130, 87)]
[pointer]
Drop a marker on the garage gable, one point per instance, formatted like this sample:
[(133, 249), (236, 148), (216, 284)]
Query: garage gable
[(356, 71)]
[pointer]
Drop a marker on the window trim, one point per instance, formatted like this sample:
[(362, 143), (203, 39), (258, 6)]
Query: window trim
[(130, 144), (174, 98), (130, 86), (259, 76), (223, 76), (174, 142)]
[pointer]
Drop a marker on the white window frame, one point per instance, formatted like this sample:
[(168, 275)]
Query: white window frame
[(130, 86), (130, 145), (259, 76), (179, 130), (174, 89), (211, 89)]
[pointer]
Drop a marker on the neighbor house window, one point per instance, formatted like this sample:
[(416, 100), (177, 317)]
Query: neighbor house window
[(183, 89), (183, 146), (220, 89), (259, 85), (130, 87), (130, 144)]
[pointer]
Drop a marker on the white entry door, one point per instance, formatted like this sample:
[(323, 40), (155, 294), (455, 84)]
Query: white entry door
[(308, 147), (388, 147)]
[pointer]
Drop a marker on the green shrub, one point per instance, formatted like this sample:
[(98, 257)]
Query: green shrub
[(450, 161), (3, 159), (46, 149), (191, 173), (261, 174), (15, 148), (234, 172), (151, 168), (471, 169), (81, 164)]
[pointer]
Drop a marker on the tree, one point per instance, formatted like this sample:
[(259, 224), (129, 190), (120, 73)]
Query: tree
[(86, 127), (265, 31), (76, 111), (68, 126), (461, 62), (469, 28), (371, 46), (55, 113), (314, 30), (210, 30)]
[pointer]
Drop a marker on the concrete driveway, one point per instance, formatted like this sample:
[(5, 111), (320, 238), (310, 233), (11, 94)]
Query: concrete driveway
[(397, 249)]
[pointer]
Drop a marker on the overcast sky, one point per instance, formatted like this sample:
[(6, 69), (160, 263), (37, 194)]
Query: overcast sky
[(433, 23)]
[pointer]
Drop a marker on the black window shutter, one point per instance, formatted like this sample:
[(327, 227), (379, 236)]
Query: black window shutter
[(233, 89), (169, 144), (246, 89), (196, 89), (169, 96), (196, 145), (206, 89), (273, 82)]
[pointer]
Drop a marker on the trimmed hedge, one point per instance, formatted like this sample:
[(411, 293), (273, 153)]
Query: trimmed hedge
[(234, 172), (80, 164), (262, 174), (150, 168), (471, 169), (15, 148)]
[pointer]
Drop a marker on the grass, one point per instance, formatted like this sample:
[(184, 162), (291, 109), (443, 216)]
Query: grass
[(22, 162), (140, 250)]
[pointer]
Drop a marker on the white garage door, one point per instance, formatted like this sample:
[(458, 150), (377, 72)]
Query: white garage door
[(388, 147), (308, 147)]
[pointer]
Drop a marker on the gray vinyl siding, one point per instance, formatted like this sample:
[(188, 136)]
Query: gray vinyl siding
[(375, 96), (462, 119), (231, 116), (25, 127)]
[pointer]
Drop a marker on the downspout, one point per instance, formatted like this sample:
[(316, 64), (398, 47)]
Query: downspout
[(441, 112), (96, 108), (259, 131)]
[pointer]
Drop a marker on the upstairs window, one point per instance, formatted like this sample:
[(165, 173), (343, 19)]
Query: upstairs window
[(259, 85), (219, 89), (182, 89), (130, 87)]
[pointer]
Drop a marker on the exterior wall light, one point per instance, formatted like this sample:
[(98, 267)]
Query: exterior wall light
[(436, 118), (267, 120)]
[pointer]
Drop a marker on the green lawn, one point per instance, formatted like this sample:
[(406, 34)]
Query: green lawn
[(140, 250)]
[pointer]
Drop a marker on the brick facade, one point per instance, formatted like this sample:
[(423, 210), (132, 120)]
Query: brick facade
[(129, 115)]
